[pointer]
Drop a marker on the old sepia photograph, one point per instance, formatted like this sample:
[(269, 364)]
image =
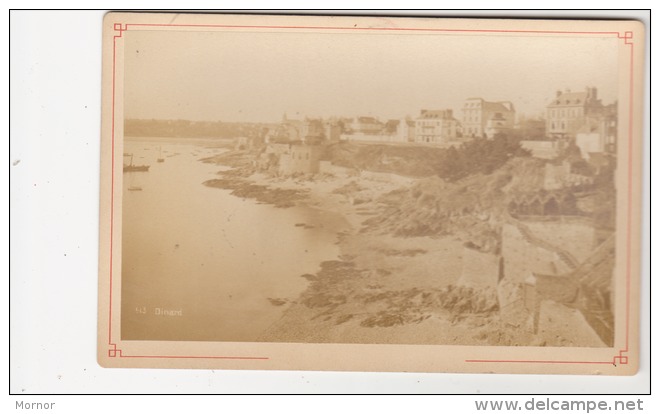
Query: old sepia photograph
[(329, 192)]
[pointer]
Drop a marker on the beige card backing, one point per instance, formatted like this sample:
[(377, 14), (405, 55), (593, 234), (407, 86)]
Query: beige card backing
[(384, 312)]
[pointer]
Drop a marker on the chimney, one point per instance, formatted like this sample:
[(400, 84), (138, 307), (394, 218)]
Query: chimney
[(558, 94)]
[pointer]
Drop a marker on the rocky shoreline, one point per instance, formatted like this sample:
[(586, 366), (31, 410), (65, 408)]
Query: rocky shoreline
[(244, 189), (385, 287), (378, 283)]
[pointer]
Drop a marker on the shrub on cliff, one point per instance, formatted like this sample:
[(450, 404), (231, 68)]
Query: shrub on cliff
[(479, 156)]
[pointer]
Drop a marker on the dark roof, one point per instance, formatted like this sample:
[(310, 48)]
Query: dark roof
[(496, 106), (314, 122), (570, 99), (436, 114), (392, 125), (368, 120), (502, 106)]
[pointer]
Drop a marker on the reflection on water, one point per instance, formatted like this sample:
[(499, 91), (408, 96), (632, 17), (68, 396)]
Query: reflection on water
[(199, 263)]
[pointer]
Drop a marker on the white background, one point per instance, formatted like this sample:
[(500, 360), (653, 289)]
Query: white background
[(55, 106)]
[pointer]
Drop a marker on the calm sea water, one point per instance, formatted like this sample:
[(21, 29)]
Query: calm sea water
[(201, 264)]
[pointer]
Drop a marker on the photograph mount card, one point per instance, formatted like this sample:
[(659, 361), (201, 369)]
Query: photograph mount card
[(371, 194)]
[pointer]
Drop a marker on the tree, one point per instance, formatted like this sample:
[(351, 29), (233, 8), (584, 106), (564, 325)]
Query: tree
[(479, 156)]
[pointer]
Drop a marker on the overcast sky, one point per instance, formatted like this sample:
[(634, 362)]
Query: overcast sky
[(259, 76)]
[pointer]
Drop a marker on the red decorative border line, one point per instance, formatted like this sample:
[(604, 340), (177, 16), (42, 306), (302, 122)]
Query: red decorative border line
[(113, 351), (620, 358)]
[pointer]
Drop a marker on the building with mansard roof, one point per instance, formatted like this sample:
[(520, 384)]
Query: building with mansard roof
[(568, 112), (485, 119), (436, 126)]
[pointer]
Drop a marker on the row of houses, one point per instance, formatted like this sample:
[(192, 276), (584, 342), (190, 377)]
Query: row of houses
[(578, 118), (480, 119)]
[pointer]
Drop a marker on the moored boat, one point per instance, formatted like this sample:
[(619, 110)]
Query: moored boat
[(130, 167)]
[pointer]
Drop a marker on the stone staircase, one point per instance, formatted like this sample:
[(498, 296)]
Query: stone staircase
[(567, 258), (595, 276)]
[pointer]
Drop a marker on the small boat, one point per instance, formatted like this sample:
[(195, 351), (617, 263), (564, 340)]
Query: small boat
[(134, 188), (135, 168), (160, 155)]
